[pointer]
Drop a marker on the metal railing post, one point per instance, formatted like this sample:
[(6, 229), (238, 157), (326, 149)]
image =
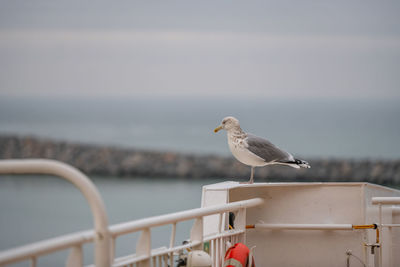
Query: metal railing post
[(84, 184)]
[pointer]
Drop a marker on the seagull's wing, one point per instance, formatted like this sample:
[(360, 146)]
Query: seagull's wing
[(266, 150)]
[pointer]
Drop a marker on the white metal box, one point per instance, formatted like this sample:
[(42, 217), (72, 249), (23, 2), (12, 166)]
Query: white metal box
[(312, 203)]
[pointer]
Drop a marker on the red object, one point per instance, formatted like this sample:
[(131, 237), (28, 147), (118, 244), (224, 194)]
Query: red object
[(237, 256)]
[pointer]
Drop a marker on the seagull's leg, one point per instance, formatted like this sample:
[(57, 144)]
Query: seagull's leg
[(251, 175)]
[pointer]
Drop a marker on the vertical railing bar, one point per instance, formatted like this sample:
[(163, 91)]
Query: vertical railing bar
[(216, 252), (220, 222), (33, 262), (220, 250), (171, 259), (217, 249), (389, 229), (213, 253), (143, 247), (221, 255), (113, 243), (380, 230), (380, 214), (75, 257), (224, 239), (223, 249), (165, 260), (173, 233), (196, 233), (222, 245)]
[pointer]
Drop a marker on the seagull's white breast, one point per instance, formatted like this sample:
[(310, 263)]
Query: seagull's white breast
[(238, 147)]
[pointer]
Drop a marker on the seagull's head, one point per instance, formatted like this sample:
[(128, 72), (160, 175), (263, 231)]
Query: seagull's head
[(228, 123)]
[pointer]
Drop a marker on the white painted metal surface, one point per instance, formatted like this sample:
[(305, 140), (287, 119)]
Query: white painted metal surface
[(310, 224)]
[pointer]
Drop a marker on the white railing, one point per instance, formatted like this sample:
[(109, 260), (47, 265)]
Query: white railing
[(145, 256), (381, 201), (87, 188), (105, 237)]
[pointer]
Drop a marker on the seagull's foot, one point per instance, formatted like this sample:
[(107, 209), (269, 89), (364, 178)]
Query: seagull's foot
[(251, 181)]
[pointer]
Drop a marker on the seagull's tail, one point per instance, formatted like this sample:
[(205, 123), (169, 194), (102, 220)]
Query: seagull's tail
[(295, 163), (302, 163)]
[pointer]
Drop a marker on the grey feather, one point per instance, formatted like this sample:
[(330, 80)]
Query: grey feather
[(266, 150)]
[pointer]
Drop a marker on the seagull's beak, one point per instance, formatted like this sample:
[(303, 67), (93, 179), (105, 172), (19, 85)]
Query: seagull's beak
[(218, 128)]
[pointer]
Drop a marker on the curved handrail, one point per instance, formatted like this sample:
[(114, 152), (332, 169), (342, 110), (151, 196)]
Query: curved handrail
[(83, 183)]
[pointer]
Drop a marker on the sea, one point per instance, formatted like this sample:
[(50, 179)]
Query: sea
[(34, 207)]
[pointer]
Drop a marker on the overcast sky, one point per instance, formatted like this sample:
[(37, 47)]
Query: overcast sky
[(283, 49)]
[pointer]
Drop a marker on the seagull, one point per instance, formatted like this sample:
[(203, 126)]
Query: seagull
[(255, 151)]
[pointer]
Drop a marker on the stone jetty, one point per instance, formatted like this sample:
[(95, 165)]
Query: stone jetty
[(124, 162)]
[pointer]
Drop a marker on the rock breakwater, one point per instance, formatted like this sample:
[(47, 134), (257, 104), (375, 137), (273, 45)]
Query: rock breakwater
[(114, 161)]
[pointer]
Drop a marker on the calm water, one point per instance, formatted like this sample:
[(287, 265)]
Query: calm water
[(39, 207)]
